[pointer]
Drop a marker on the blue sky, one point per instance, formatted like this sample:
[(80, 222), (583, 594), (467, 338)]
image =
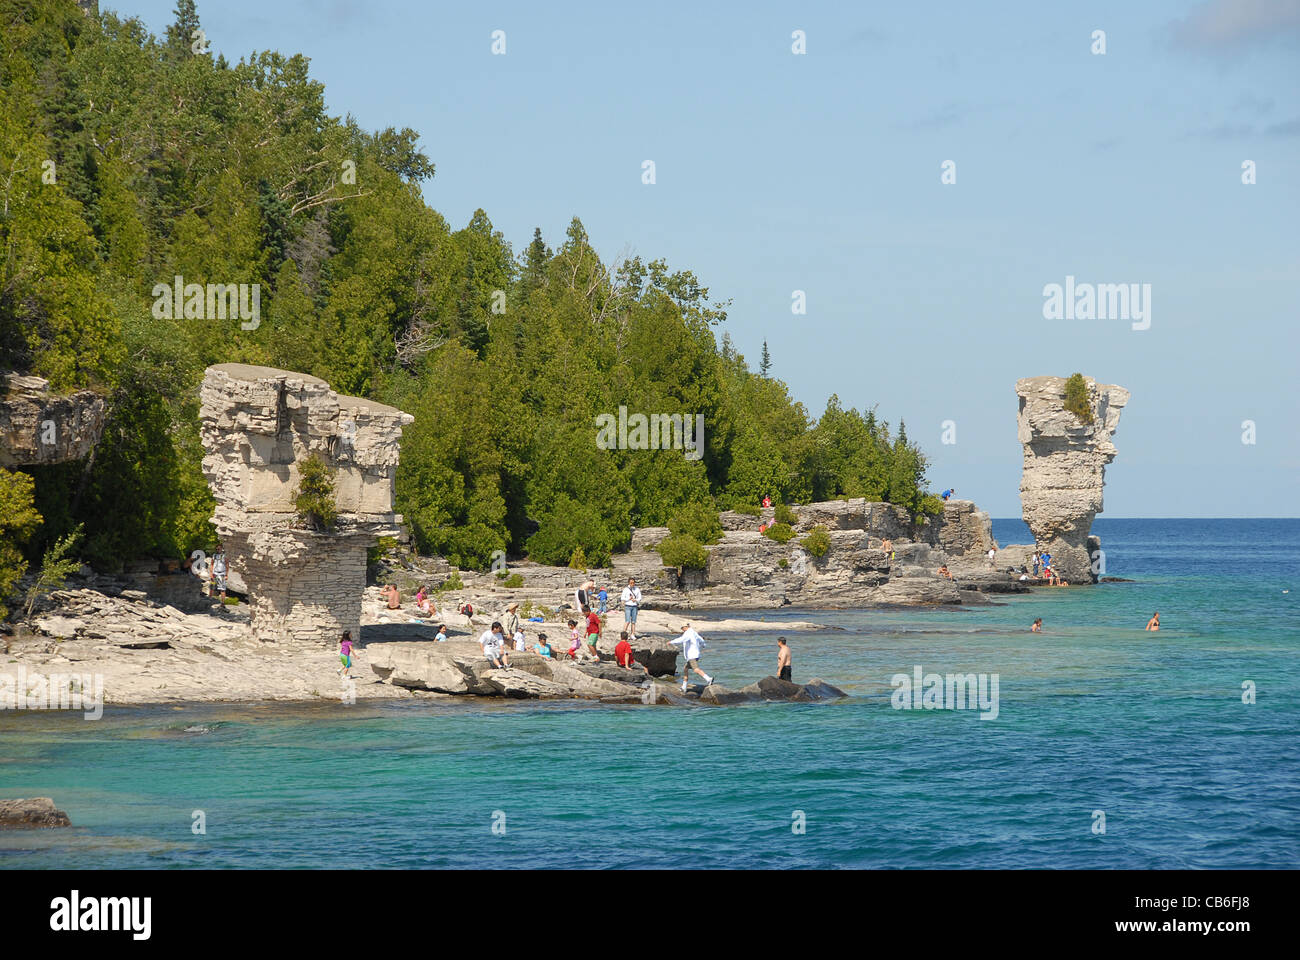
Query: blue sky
[(820, 172)]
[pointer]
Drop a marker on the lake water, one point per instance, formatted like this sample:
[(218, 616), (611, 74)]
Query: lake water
[(1095, 717)]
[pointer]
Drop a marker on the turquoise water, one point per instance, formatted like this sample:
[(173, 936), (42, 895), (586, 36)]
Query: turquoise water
[(1094, 715)]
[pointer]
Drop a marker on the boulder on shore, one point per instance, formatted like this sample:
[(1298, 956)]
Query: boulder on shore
[(31, 813)]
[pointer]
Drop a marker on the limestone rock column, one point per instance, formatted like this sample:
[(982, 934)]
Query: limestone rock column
[(258, 424), (1065, 467)]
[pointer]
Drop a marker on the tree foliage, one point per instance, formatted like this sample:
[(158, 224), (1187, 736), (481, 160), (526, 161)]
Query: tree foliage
[(1076, 398), (172, 162)]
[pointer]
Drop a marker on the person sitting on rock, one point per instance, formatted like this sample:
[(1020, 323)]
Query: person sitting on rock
[(442, 633), (424, 603), (623, 654), (944, 572), (392, 595), (493, 643), (543, 647), (467, 611)]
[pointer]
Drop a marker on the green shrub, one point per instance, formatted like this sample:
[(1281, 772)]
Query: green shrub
[(783, 563), (749, 509), (453, 582), (18, 521), (1076, 398), (784, 514), (818, 541), (314, 498), (568, 528), (376, 553), (697, 520), (513, 580), (683, 550), (780, 532), (56, 567)]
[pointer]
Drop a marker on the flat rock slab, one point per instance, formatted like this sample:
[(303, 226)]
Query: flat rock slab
[(31, 813)]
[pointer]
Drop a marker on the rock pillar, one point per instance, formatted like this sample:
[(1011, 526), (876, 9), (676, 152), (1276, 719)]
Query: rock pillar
[(1065, 467), (258, 425)]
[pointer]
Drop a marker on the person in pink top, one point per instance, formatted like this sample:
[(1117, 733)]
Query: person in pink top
[(345, 655)]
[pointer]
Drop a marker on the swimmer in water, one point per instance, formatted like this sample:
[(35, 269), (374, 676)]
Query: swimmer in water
[(1154, 622)]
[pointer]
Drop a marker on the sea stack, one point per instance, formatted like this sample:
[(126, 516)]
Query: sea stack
[(1065, 467), (258, 425)]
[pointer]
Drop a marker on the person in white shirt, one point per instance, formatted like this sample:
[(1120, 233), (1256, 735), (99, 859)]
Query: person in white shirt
[(219, 572), (691, 643), (631, 603), (520, 644), (493, 643)]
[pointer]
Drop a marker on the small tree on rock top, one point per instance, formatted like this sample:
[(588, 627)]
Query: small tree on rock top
[(1076, 398), (314, 498)]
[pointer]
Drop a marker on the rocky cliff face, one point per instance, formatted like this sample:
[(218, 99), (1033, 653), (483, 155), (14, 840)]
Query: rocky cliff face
[(747, 569), (37, 427), (257, 425), (1065, 465)]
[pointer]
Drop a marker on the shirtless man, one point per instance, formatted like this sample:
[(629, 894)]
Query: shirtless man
[(783, 659), (1154, 622), (943, 572)]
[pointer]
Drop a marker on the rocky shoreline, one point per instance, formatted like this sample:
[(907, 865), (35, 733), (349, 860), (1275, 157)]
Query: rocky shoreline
[(153, 637), (125, 645)]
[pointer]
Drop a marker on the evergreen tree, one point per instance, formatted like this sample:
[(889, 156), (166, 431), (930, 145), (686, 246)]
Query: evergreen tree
[(181, 33)]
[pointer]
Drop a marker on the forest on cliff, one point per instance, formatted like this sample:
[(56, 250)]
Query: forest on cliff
[(127, 160)]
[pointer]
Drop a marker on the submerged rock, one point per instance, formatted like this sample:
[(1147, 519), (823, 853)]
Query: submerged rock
[(35, 812)]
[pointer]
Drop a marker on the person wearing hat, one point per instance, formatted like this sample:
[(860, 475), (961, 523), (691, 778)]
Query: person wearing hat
[(510, 620)]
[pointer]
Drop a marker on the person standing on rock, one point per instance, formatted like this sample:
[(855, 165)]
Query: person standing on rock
[(631, 603), (603, 599), (219, 573), (692, 644), (593, 632), (510, 620), (345, 655), (1037, 562), (493, 643), (580, 596), (783, 660)]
